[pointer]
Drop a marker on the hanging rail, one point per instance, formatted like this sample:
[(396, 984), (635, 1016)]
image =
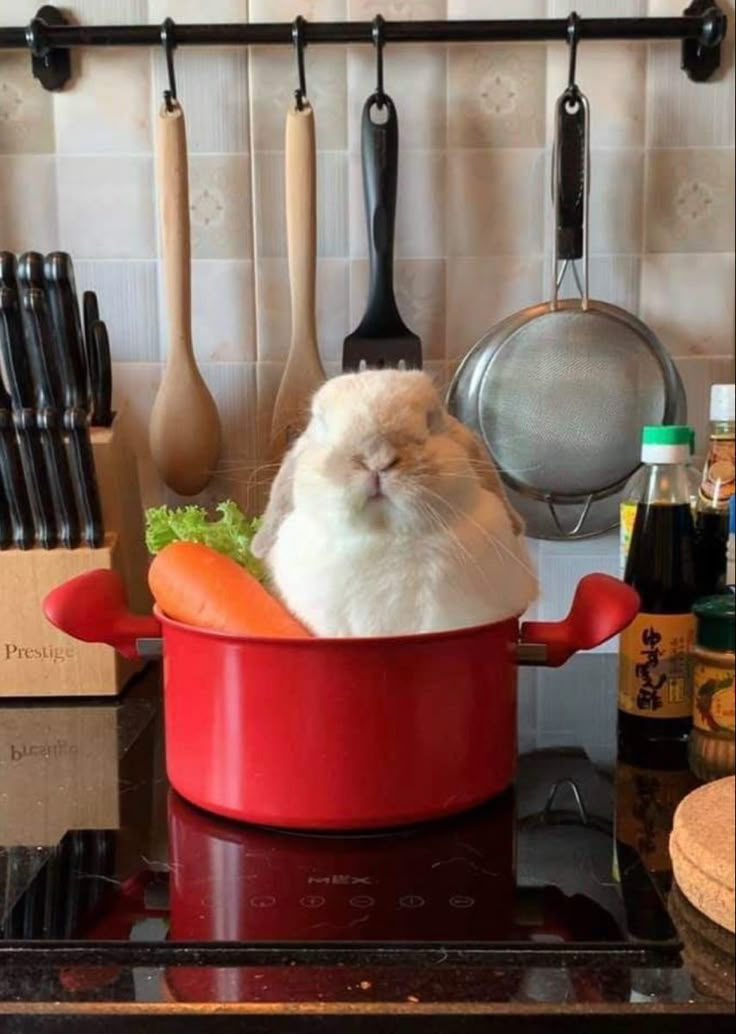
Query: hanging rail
[(49, 37)]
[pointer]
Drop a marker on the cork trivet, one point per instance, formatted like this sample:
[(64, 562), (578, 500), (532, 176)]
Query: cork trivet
[(708, 950), (703, 851)]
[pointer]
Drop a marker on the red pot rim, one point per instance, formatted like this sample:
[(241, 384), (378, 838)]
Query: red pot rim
[(310, 642)]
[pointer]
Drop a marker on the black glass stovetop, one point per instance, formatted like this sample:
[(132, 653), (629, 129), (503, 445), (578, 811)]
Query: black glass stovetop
[(539, 868)]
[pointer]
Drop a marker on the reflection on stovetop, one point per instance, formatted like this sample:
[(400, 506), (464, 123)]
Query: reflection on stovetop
[(537, 866)]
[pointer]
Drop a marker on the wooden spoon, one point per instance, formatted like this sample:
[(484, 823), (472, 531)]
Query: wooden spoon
[(184, 431), (304, 372)]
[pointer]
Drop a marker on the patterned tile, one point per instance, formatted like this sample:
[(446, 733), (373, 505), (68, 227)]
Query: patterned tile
[(106, 207), (191, 11), (690, 200), (415, 79), (223, 317), (273, 79), (688, 300), (220, 206), (212, 87), (483, 291), (274, 308), (28, 207), (494, 202), (398, 10), (495, 96), (26, 110), (128, 298), (270, 219), (107, 110)]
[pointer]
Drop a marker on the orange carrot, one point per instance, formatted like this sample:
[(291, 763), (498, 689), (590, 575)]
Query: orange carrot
[(196, 585)]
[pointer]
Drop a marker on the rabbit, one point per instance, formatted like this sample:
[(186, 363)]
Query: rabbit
[(387, 516)]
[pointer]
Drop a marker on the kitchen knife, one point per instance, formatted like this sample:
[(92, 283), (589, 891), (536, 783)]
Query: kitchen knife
[(20, 383), (90, 313), (16, 518), (40, 347), (61, 290), (7, 269), (76, 423), (44, 368), (100, 365)]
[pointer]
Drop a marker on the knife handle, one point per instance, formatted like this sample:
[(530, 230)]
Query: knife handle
[(34, 471), (13, 350), (90, 315), (7, 269), (40, 344), (61, 484), (16, 519), (100, 366), (83, 467), (67, 324)]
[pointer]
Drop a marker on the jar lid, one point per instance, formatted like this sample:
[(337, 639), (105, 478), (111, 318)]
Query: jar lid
[(666, 443), (723, 402), (716, 628)]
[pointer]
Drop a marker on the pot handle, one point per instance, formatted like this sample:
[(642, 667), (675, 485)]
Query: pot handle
[(602, 607), (93, 607)]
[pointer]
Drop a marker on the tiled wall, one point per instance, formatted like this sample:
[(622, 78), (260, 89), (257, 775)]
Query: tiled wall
[(76, 172)]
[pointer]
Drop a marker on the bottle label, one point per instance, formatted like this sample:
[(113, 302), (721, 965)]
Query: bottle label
[(626, 527), (717, 485), (646, 801), (714, 698), (654, 666)]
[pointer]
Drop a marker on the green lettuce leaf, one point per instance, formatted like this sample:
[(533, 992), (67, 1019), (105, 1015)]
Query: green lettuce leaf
[(231, 534)]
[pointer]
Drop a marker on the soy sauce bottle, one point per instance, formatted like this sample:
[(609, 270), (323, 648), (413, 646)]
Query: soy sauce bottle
[(655, 687), (716, 490)]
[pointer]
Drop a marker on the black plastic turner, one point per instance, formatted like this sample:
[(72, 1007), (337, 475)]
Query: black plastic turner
[(382, 338)]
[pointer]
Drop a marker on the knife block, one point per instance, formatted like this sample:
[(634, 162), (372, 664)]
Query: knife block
[(38, 660)]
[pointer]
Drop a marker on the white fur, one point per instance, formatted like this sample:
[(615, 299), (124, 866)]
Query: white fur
[(349, 565)]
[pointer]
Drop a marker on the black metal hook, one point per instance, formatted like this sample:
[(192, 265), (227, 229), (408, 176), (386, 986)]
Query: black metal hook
[(168, 42), (50, 65), (378, 32), (573, 38), (297, 38)]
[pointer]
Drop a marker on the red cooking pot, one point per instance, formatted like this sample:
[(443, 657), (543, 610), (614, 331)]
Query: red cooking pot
[(339, 734)]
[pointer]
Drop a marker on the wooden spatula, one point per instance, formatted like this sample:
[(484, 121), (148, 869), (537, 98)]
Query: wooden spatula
[(184, 431), (304, 372)]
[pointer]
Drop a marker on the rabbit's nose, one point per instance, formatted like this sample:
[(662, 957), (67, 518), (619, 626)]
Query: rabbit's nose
[(380, 460)]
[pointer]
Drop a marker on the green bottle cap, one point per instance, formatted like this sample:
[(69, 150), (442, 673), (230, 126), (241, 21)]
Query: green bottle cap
[(716, 622), (667, 434)]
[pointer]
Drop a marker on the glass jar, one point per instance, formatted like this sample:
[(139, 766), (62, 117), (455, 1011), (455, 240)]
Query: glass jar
[(712, 743)]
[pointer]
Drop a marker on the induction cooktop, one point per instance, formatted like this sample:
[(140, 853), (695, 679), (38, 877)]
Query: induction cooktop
[(541, 866)]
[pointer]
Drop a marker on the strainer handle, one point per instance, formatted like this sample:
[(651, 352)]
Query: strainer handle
[(578, 524), (602, 607), (570, 190)]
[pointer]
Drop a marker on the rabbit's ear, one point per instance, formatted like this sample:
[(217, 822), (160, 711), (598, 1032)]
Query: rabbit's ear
[(280, 504), (483, 467)]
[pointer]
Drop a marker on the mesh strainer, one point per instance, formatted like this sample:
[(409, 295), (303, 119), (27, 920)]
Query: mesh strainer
[(559, 391)]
